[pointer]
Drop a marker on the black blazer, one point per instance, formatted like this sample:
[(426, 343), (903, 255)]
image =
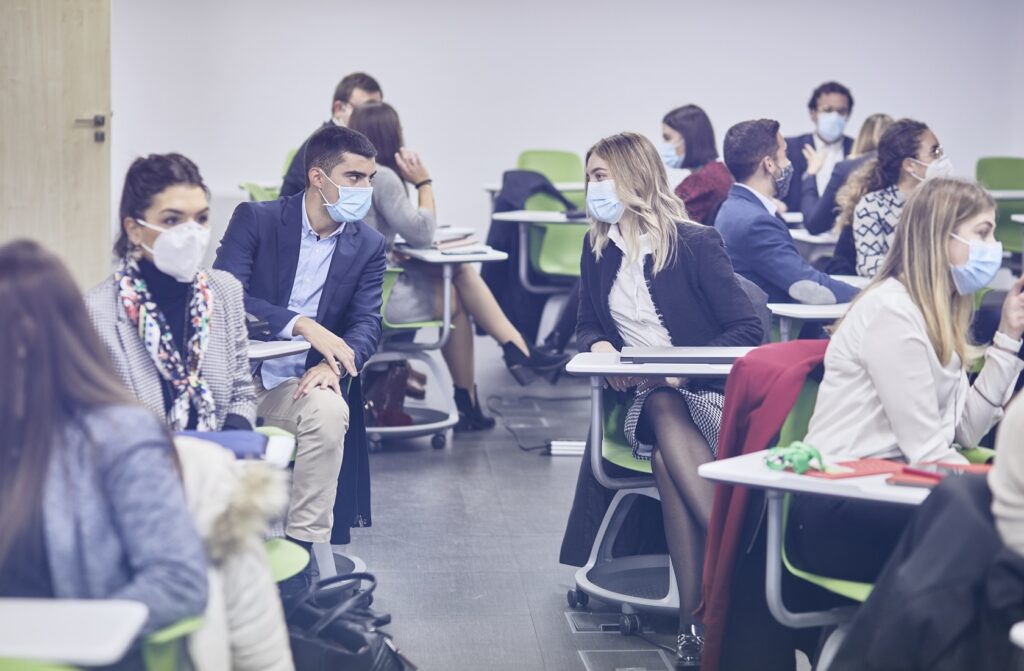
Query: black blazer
[(795, 152), (820, 211), (698, 298)]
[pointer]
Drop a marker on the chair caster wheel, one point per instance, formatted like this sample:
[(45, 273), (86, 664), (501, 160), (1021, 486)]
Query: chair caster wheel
[(629, 624), (373, 445), (438, 441), (577, 598)]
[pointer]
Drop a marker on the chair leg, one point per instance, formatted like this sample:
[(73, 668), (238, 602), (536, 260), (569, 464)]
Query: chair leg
[(831, 646)]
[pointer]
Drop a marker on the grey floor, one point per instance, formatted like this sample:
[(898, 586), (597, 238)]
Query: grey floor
[(465, 541)]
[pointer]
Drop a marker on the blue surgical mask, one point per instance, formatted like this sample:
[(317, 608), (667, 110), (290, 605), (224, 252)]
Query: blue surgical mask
[(352, 205), (983, 262), (669, 156), (602, 202), (831, 126)]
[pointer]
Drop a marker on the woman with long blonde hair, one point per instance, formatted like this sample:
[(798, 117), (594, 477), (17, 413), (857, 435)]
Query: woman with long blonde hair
[(820, 212), (650, 277), (895, 384)]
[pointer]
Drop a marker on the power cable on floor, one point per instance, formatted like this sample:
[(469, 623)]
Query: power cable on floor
[(491, 405)]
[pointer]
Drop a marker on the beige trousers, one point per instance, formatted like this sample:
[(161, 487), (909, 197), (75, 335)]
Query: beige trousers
[(318, 421)]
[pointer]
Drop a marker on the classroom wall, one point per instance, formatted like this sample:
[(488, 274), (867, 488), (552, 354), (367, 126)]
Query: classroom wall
[(235, 84)]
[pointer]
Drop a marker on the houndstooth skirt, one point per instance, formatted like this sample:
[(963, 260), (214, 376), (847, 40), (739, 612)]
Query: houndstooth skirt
[(705, 408)]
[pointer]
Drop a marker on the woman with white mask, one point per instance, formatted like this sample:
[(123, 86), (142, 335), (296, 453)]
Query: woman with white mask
[(175, 330), (873, 197)]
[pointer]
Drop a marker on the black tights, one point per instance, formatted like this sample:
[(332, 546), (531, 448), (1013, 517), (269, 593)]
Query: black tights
[(685, 497)]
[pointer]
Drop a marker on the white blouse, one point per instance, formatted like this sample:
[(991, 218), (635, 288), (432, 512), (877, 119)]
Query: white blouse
[(630, 300), (885, 394)]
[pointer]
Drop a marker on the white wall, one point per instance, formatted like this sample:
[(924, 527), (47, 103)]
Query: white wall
[(234, 84)]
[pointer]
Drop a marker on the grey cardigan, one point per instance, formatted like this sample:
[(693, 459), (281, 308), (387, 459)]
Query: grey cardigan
[(393, 213), (225, 367), (115, 520)]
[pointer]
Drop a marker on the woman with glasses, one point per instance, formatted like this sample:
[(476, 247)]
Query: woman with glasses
[(872, 200)]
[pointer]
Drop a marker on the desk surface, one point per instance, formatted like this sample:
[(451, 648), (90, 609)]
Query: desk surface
[(853, 280), (537, 217), (750, 470), (469, 254), (260, 350), (70, 631), (801, 311), (793, 217), (804, 236), (1019, 218), (608, 363), (1011, 194), (495, 187), (682, 355)]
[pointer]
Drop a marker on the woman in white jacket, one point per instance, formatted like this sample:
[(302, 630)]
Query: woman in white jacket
[(232, 503)]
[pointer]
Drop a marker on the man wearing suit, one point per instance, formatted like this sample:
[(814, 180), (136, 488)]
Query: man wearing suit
[(313, 270), (814, 155), (756, 239), (352, 91)]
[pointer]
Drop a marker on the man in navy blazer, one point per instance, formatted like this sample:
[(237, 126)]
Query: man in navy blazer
[(814, 155), (313, 270), (757, 240)]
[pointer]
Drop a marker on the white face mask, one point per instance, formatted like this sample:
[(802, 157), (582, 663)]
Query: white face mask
[(180, 249), (940, 167)]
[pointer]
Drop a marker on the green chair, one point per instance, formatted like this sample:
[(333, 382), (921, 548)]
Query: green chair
[(164, 650), (24, 665), (553, 250), (259, 193), (1004, 173), (426, 421), (288, 160), (638, 583), (286, 559)]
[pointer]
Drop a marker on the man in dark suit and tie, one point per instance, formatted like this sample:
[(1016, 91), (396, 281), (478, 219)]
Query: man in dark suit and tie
[(757, 240), (313, 270), (814, 155)]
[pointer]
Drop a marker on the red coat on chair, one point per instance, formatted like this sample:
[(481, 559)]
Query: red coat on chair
[(762, 389)]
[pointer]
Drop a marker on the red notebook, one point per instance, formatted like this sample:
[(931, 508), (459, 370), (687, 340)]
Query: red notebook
[(858, 468), (931, 474)]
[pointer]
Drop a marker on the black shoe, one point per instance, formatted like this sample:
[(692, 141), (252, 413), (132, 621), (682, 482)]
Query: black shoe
[(525, 369), (471, 418), (689, 647)]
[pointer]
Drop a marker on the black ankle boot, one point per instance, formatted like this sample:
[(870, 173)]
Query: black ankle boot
[(526, 368), (471, 418)]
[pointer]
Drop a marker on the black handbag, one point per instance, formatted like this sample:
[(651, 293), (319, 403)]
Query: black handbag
[(332, 628)]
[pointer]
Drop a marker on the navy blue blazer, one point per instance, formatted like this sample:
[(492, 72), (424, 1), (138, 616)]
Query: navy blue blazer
[(820, 211), (261, 249), (762, 250), (795, 152)]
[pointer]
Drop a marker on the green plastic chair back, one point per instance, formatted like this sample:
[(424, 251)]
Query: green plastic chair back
[(25, 665), (288, 158), (1006, 173), (615, 447), (555, 248), (286, 559), (163, 650), (390, 278), (794, 429), (259, 193)]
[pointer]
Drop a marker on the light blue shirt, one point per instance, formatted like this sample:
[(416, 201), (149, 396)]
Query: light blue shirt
[(315, 256)]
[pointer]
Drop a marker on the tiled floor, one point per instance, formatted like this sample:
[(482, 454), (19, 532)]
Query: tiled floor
[(465, 541)]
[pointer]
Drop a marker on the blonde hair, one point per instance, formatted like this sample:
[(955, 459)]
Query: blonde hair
[(919, 259), (651, 206), (870, 134)]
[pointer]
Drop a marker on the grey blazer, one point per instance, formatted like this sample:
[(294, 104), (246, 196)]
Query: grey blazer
[(225, 367), (115, 520)]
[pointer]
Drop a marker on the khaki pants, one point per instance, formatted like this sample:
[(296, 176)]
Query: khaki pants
[(319, 421)]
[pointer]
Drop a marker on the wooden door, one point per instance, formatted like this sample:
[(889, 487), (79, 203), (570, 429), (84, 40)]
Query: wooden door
[(54, 130)]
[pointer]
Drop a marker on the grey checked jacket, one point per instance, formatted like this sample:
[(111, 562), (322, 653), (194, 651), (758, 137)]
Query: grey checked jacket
[(225, 367)]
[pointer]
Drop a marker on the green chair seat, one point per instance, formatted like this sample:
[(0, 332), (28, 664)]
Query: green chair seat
[(615, 447), (26, 665), (554, 249), (286, 559), (390, 278), (162, 650), (258, 193), (1004, 173)]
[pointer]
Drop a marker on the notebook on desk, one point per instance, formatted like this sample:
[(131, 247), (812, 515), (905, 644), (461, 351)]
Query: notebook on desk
[(682, 354)]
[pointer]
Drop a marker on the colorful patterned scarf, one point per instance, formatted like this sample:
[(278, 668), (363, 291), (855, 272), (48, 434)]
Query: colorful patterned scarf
[(189, 388)]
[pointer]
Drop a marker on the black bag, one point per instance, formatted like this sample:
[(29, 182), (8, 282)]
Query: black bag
[(333, 628)]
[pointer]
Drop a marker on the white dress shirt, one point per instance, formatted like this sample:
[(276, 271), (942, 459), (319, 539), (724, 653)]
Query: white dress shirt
[(315, 254), (886, 394), (630, 301), (833, 154)]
